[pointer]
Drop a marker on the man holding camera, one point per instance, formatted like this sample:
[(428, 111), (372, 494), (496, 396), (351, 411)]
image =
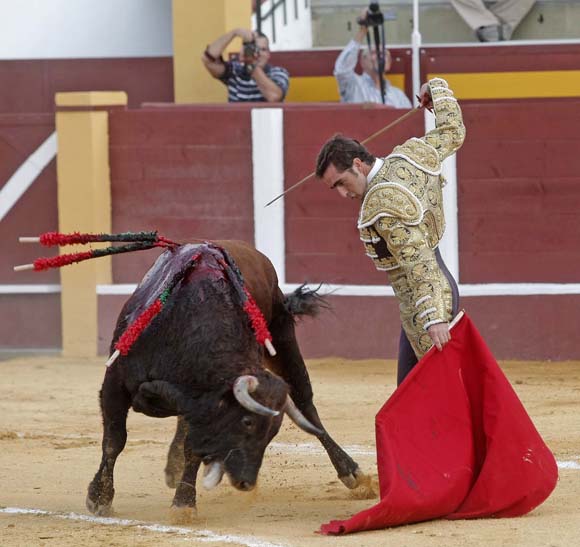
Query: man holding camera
[(365, 87), (251, 79)]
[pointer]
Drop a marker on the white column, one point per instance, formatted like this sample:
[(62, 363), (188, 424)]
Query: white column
[(449, 245), (268, 169), (416, 49)]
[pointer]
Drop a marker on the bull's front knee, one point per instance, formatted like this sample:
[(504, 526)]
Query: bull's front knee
[(173, 474)]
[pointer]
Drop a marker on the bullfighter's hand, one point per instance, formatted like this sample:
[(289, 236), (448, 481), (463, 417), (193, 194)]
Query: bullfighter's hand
[(425, 99), (440, 334)]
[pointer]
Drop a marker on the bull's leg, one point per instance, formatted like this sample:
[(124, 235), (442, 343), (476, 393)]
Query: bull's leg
[(183, 506), (115, 402), (175, 456), (289, 364)]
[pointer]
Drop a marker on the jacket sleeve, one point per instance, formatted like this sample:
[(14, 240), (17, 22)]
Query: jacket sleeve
[(417, 261), (449, 133), (344, 67)]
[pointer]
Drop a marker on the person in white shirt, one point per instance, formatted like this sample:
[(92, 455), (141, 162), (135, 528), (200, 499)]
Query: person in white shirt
[(365, 87)]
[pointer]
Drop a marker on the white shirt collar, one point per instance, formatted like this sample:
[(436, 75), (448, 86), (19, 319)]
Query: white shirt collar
[(375, 169)]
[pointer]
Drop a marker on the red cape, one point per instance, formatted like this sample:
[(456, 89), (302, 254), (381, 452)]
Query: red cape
[(454, 441)]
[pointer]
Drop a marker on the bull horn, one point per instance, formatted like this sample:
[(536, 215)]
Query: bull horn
[(243, 386), (299, 419)]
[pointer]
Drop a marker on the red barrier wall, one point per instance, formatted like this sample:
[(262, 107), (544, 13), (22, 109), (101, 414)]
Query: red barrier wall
[(184, 172), (494, 58), (519, 190), (322, 241), (36, 211), (518, 186), (27, 320), (187, 171), (30, 86)]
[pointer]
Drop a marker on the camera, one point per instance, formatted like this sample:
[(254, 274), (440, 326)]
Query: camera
[(374, 16), (250, 52)]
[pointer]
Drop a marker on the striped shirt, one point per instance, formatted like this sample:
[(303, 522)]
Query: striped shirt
[(243, 88)]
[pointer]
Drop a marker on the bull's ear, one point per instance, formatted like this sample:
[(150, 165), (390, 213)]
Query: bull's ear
[(161, 398)]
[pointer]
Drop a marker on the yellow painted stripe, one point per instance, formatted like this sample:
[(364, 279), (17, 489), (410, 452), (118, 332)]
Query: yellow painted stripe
[(91, 98), (305, 89), (514, 85)]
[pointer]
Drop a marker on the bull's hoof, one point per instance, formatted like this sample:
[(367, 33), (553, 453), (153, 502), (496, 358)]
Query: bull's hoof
[(366, 489), (360, 484), (182, 515), (352, 479), (99, 509)]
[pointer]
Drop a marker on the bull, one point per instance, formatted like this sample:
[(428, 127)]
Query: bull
[(199, 360)]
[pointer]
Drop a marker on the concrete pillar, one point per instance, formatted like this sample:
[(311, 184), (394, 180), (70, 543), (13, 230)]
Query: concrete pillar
[(84, 205), (195, 25)]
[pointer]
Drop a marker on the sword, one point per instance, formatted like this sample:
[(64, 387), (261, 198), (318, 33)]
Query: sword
[(368, 139)]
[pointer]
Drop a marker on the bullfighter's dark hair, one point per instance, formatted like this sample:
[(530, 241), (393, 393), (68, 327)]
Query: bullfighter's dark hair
[(340, 151)]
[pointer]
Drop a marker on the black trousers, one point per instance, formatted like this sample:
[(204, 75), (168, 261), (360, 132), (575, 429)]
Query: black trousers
[(407, 358)]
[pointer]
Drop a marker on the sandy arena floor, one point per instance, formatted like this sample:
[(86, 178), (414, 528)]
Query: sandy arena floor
[(50, 435)]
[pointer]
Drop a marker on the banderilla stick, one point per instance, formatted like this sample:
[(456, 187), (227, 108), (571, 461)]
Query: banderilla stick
[(368, 139)]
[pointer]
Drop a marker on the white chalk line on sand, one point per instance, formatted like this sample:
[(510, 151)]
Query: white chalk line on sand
[(312, 449), (359, 450), (569, 465), (204, 536), (317, 449)]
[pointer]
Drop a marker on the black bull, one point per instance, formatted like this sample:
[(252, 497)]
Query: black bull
[(199, 360)]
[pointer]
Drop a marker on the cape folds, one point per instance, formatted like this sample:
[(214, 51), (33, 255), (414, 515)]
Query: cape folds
[(454, 441)]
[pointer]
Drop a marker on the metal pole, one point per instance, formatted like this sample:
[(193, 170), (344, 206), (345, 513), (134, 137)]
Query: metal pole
[(416, 49), (259, 15)]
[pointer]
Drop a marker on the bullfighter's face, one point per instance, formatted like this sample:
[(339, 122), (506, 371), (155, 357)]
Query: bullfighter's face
[(351, 183)]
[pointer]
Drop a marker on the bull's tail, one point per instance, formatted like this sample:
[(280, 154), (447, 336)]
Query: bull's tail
[(305, 301)]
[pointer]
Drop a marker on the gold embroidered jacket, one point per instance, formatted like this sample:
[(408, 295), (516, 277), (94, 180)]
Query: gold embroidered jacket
[(401, 220)]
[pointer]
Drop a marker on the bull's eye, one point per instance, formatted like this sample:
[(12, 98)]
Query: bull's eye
[(248, 422)]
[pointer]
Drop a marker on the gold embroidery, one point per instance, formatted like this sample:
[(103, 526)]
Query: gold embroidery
[(400, 235), (401, 220), (420, 152), (390, 200)]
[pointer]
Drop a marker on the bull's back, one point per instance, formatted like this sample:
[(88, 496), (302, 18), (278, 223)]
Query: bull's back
[(259, 273)]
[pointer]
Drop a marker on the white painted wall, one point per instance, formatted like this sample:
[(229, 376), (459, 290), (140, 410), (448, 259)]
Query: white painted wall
[(61, 29), (296, 33)]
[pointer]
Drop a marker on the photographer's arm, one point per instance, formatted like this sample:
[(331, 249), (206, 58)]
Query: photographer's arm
[(348, 57), (272, 92), (212, 56)]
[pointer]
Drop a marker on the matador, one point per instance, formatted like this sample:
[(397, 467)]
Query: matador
[(401, 219)]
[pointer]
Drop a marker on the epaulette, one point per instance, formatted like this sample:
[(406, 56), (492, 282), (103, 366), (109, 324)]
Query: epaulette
[(420, 154), (389, 199)]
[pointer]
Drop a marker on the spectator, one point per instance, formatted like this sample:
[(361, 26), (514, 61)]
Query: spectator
[(365, 87), (252, 78), (496, 22)]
